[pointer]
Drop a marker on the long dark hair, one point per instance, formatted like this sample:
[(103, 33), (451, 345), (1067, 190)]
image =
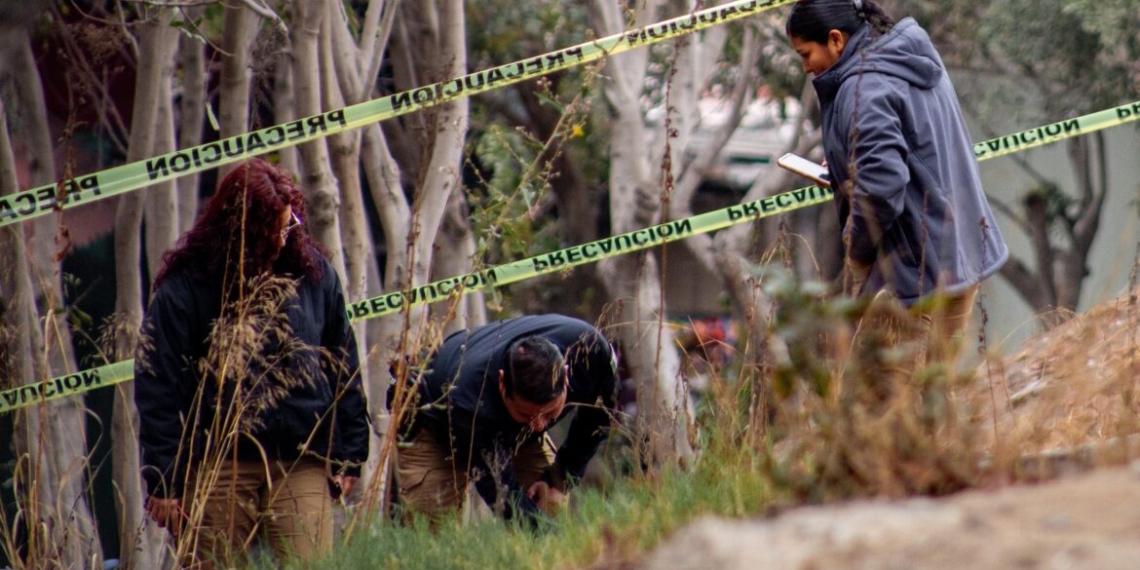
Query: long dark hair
[(246, 210), (811, 20)]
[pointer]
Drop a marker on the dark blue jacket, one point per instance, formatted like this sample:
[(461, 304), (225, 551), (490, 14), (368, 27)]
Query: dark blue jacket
[(892, 126), (324, 414), (470, 417)]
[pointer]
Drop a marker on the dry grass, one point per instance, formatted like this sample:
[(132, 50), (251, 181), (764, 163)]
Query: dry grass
[(257, 378), (1071, 386), (845, 427), (852, 415)]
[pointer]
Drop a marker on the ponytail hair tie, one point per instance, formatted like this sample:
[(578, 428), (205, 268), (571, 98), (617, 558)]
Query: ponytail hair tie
[(859, 7)]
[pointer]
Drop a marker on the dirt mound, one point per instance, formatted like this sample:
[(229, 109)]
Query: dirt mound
[(1084, 522), (1073, 385)]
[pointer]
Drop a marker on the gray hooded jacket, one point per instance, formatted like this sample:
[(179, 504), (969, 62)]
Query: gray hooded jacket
[(908, 193)]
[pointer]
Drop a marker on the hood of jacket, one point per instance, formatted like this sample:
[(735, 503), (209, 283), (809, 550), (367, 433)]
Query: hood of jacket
[(905, 52)]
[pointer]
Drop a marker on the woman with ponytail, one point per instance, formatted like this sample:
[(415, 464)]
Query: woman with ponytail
[(915, 220)]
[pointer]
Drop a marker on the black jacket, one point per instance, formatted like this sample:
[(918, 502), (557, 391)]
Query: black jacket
[(319, 409), (469, 415)]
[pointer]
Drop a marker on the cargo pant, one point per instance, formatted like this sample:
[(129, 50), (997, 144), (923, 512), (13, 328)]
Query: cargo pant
[(431, 484), (287, 502), (894, 342)]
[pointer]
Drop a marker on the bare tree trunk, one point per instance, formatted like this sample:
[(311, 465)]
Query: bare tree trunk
[(383, 177), (49, 478), (319, 183), (407, 133), (162, 218), (139, 539), (439, 53), (36, 498), (65, 422), (442, 177), (455, 254), (192, 114), (410, 232), (344, 149), (29, 105), (284, 106), (634, 281), (354, 81), (1061, 268), (374, 36), (454, 241), (284, 109), (237, 39), (1088, 155)]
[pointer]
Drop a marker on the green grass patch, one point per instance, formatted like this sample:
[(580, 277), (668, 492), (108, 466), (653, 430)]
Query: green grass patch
[(615, 522)]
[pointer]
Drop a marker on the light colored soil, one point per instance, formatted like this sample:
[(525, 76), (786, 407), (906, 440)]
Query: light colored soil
[(1088, 521)]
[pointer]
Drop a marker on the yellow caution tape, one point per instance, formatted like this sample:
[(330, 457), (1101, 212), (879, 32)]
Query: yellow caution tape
[(589, 252), (72, 192), (1055, 132), (637, 240), (441, 290), (68, 385)]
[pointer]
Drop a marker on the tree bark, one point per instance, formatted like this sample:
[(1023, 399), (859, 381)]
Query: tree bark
[(383, 177), (410, 230), (344, 149), (140, 540), (407, 133), (455, 240), (1090, 162), (455, 253), (1053, 288), (637, 197), (284, 105), (64, 421), (162, 218), (318, 182), (379, 19), (192, 114), (442, 178), (238, 35), (54, 512)]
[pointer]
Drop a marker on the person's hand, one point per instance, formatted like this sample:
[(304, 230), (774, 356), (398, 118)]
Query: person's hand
[(549, 499), (854, 276), (346, 483), (167, 513)]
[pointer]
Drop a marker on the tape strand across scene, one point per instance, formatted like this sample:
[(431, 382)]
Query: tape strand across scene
[(166, 166), (82, 190)]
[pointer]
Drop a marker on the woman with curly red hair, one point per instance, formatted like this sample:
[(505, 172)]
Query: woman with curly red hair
[(251, 410)]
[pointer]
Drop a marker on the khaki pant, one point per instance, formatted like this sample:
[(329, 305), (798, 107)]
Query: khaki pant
[(430, 483), (289, 500), (893, 342), (946, 321)]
